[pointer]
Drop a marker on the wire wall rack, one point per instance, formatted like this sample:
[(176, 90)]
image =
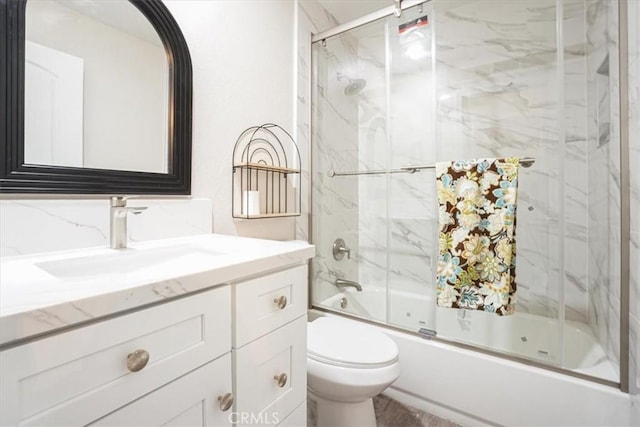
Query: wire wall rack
[(266, 174)]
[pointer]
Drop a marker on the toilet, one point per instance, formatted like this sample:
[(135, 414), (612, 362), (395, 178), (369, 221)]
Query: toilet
[(347, 364)]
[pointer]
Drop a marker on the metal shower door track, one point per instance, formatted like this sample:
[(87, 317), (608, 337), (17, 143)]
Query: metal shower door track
[(364, 20)]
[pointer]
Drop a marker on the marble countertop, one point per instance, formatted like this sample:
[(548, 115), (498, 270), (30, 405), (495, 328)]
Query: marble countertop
[(46, 292)]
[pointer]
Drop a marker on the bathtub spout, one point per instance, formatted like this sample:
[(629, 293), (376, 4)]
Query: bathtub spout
[(341, 283)]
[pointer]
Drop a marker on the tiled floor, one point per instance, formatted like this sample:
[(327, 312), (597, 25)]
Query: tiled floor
[(391, 413)]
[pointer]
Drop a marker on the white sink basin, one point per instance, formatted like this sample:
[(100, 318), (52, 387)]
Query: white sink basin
[(125, 261)]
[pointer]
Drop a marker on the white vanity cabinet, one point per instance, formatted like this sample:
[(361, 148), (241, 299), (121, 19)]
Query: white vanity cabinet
[(270, 348), (213, 335), (80, 376)]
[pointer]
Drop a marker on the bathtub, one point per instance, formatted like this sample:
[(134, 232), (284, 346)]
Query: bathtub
[(474, 388), (523, 335)]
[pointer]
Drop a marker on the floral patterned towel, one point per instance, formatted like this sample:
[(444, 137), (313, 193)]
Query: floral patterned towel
[(477, 257)]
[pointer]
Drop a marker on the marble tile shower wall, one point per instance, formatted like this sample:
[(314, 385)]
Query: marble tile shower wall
[(335, 200), (603, 177), (575, 161), (498, 96), (372, 128), (400, 225), (634, 163), (396, 223), (33, 226), (412, 197), (303, 125)]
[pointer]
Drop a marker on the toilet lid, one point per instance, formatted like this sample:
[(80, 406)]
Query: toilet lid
[(340, 342)]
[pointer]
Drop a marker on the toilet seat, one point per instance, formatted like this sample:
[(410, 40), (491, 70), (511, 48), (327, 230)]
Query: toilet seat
[(336, 342)]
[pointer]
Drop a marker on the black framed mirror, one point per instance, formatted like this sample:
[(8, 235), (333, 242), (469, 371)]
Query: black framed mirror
[(87, 117)]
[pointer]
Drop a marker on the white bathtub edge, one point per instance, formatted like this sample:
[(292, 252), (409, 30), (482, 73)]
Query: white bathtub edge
[(437, 377), (518, 395)]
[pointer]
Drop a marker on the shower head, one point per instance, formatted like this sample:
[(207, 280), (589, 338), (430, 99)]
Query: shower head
[(354, 86)]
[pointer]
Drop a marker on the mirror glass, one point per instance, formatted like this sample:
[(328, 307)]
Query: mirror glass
[(96, 87)]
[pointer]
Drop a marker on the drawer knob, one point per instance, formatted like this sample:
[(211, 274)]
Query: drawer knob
[(137, 360), (225, 402), (281, 379), (281, 302)]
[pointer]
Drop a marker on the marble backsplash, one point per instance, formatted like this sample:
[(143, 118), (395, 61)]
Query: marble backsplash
[(30, 226)]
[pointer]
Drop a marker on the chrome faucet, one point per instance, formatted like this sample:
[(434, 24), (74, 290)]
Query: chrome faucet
[(342, 283), (118, 221)]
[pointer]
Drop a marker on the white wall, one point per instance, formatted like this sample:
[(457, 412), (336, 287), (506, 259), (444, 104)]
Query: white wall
[(243, 75)]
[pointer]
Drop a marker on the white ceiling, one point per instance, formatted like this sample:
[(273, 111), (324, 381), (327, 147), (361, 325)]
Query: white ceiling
[(348, 10)]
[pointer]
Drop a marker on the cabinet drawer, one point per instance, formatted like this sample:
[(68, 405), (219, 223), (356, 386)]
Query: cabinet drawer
[(76, 377), (283, 351), (191, 400), (256, 309)]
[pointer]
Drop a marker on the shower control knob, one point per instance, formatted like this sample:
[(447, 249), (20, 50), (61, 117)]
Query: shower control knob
[(340, 248)]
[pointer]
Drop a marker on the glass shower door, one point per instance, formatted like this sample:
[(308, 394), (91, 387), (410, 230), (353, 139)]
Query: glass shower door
[(498, 95), (412, 220), (350, 135), (374, 113), (462, 80)]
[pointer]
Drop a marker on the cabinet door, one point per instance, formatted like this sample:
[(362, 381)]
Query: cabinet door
[(298, 418), (78, 376), (259, 365), (191, 400)]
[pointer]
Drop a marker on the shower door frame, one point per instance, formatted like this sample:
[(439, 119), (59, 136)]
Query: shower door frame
[(625, 205)]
